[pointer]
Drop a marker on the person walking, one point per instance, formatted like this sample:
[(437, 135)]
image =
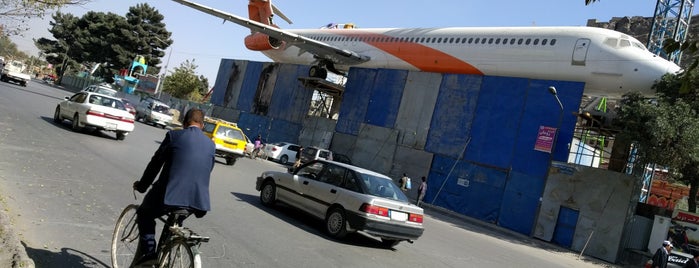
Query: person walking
[(258, 146), (404, 183), (421, 190), (297, 163), (660, 256), (184, 159)]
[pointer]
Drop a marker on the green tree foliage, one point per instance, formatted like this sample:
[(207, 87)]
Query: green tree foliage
[(8, 49), (183, 83), (665, 129), (107, 38), (15, 14)]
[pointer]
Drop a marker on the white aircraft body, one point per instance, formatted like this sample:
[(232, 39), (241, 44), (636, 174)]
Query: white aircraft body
[(610, 63)]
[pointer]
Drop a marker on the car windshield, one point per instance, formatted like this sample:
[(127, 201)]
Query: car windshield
[(161, 109), (107, 102), (382, 187)]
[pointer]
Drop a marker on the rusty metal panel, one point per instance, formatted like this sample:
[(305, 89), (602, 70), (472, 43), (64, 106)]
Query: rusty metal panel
[(416, 108)]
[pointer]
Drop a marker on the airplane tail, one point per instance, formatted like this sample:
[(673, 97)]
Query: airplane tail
[(263, 11)]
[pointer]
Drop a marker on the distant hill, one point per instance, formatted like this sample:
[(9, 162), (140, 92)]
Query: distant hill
[(639, 27)]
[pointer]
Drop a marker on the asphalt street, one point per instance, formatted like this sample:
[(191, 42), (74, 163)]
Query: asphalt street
[(63, 191)]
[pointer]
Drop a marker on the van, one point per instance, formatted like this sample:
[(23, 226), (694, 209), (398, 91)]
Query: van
[(312, 153), (153, 111)]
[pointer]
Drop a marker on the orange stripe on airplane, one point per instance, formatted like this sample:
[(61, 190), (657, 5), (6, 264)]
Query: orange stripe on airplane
[(424, 58)]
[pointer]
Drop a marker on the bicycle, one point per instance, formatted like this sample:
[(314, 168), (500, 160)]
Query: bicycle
[(178, 246)]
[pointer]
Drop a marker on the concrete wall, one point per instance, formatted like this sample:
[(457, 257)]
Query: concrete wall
[(603, 198)]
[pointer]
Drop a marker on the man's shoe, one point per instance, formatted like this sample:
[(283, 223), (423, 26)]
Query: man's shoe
[(149, 259)]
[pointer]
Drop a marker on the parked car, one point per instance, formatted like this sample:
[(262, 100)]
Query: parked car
[(94, 110), (312, 153), (347, 198), (229, 139), (105, 89), (282, 152)]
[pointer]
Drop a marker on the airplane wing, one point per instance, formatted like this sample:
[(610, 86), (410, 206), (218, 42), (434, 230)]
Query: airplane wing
[(319, 49)]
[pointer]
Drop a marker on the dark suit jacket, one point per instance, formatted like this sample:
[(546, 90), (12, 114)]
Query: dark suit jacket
[(186, 158), (660, 258)]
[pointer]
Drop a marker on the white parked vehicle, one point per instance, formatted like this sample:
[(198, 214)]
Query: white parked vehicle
[(13, 71), (348, 198), (94, 110), (153, 111), (282, 152)]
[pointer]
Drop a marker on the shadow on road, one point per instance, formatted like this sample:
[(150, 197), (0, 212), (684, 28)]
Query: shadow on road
[(67, 257), (66, 126), (300, 219)]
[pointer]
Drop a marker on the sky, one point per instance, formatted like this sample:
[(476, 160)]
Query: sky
[(206, 40)]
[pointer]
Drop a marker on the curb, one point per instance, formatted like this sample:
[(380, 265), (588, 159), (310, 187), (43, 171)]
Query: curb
[(16, 252)]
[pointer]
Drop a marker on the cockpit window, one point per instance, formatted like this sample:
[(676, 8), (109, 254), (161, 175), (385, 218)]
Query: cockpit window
[(639, 45), (612, 42), (624, 43)]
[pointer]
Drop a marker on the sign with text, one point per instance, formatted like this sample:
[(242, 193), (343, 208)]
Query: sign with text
[(545, 138)]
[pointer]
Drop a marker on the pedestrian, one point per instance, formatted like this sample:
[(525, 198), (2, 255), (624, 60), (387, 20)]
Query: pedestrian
[(694, 261), (404, 183), (297, 163), (421, 190), (184, 159), (660, 256), (258, 145)]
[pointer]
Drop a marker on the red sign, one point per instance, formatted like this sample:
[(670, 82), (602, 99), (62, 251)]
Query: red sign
[(544, 139)]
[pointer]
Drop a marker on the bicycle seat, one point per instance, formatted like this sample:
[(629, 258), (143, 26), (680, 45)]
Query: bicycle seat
[(178, 214)]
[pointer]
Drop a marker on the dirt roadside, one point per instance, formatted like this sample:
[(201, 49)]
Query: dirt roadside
[(12, 252)]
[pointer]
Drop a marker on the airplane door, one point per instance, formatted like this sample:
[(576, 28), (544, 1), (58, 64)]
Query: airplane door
[(580, 51)]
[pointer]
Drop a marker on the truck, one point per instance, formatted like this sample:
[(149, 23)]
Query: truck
[(13, 71)]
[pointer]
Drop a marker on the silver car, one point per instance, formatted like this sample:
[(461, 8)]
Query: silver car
[(348, 198)]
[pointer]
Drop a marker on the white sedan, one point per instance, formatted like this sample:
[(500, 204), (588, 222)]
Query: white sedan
[(348, 198), (283, 152), (94, 110)]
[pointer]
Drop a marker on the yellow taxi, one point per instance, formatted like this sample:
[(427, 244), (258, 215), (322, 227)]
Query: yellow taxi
[(229, 139)]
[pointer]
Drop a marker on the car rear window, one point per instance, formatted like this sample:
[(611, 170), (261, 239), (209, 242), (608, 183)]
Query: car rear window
[(107, 102), (382, 187), (224, 131)]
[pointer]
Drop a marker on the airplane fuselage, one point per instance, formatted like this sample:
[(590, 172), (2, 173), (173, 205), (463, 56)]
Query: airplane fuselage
[(609, 62)]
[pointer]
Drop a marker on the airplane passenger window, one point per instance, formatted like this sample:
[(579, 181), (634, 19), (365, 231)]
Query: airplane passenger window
[(553, 42), (512, 41), (463, 41), (490, 41), (451, 40), (470, 40), (422, 40), (536, 41), (519, 42), (484, 40), (497, 41), (543, 42), (504, 41), (439, 40), (528, 41)]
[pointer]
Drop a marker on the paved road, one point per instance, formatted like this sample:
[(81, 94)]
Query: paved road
[(64, 190)]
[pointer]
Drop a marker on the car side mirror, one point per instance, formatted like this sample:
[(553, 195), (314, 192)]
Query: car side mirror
[(66, 97)]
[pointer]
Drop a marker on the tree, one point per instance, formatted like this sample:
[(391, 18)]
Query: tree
[(16, 13), (665, 130), (99, 37), (183, 82)]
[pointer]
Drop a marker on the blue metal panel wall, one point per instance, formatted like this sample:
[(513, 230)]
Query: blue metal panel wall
[(385, 97), (254, 125), (453, 116), (247, 91), (290, 100), (283, 131), (530, 167), (221, 81), (496, 121), (355, 100), (470, 189)]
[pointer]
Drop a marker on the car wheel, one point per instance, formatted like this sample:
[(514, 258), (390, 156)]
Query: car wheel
[(284, 160), (230, 161), (389, 243), (268, 194), (335, 223), (76, 123), (57, 115), (120, 135)]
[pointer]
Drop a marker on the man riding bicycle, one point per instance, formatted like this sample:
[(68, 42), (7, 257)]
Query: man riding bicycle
[(186, 158)]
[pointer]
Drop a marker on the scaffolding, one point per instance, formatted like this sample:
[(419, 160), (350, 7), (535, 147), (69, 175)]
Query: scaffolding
[(670, 21)]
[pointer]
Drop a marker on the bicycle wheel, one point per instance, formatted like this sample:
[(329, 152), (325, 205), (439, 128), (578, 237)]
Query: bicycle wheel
[(125, 238), (177, 254)]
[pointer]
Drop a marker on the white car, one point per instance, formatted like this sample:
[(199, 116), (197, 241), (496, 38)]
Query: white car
[(105, 89), (282, 152), (102, 112), (348, 198)]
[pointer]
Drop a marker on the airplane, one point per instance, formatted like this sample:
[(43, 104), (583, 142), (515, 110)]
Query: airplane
[(610, 63)]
